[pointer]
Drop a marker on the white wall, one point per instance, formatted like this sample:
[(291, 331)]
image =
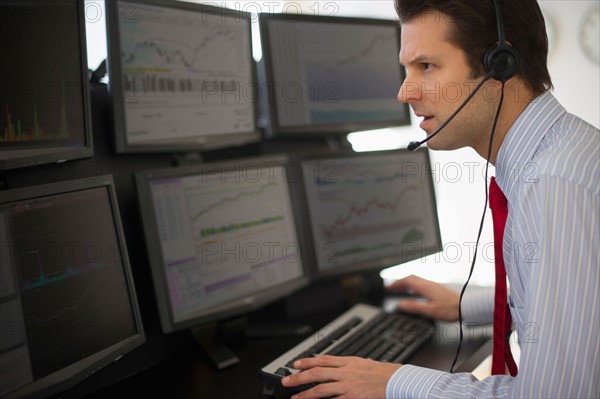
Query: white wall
[(576, 78), (95, 30)]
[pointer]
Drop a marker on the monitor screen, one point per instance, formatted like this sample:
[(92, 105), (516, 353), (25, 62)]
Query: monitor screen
[(44, 100), (370, 210), (222, 239), (67, 300), (182, 76), (331, 75)]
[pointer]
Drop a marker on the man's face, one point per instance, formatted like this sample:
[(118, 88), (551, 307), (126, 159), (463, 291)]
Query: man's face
[(438, 80)]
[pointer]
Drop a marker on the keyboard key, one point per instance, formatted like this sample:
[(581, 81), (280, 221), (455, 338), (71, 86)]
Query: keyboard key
[(282, 371), (327, 341)]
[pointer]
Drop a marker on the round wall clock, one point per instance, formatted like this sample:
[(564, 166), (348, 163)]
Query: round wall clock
[(589, 36)]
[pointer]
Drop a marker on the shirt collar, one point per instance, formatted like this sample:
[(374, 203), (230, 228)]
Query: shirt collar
[(523, 139)]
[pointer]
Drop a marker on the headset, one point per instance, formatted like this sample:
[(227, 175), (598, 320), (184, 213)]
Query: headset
[(503, 60), (501, 63)]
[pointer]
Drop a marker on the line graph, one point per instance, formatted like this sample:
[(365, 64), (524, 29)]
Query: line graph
[(59, 316), (374, 205), (241, 235), (220, 209), (84, 293), (350, 231), (230, 221), (348, 71), (227, 200), (183, 73), (188, 43), (351, 59), (369, 207), (359, 61), (71, 275), (159, 51), (231, 227), (69, 272), (237, 240)]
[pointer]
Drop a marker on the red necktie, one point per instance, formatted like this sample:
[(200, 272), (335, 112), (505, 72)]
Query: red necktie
[(502, 318)]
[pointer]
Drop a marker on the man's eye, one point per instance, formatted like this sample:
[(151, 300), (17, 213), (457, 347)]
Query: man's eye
[(426, 65)]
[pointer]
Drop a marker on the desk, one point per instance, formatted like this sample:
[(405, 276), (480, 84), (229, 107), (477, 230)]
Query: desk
[(191, 374)]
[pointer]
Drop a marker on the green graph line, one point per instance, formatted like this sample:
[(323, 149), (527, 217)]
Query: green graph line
[(228, 228), (412, 236), (235, 198)]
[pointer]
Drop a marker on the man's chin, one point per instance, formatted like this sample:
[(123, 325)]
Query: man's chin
[(442, 145)]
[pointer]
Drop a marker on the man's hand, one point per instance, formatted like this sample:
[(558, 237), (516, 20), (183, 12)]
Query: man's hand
[(441, 303), (341, 377)]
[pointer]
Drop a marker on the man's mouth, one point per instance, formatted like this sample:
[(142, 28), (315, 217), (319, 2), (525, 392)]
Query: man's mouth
[(426, 122)]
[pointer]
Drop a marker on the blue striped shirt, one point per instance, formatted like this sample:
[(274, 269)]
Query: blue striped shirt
[(548, 168)]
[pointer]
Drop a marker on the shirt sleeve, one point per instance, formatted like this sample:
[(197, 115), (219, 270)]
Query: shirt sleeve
[(478, 306), (418, 382)]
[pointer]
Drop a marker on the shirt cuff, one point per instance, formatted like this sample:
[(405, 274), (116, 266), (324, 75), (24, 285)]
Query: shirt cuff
[(412, 382), (478, 306)]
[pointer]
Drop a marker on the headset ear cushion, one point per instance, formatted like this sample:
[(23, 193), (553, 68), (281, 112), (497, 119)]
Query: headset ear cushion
[(503, 60)]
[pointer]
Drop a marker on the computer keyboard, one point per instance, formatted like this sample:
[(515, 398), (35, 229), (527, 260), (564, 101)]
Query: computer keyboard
[(364, 331)]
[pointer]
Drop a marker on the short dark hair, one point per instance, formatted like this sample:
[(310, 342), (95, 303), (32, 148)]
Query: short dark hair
[(475, 32)]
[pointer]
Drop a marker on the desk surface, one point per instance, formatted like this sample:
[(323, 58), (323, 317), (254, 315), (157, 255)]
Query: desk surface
[(192, 375)]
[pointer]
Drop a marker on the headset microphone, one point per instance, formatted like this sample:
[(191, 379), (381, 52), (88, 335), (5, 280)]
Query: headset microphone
[(501, 63)]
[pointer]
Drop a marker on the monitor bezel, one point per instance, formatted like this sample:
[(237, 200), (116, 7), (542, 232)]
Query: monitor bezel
[(27, 157), (274, 128), (239, 306), (371, 265), (116, 88), (74, 373)]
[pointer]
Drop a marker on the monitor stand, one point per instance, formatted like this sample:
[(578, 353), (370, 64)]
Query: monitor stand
[(217, 339), (213, 339), (337, 143), (188, 159)]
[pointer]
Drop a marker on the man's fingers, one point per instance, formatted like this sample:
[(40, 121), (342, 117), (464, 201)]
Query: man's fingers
[(320, 361), (316, 370), (350, 377), (412, 284), (313, 375)]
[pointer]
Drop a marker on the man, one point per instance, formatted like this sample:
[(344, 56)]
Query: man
[(546, 165)]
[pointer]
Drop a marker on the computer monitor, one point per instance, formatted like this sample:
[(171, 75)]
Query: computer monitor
[(67, 301), (44, 100), (368, 211), (222, 238), (181, 76), (330, 75)]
